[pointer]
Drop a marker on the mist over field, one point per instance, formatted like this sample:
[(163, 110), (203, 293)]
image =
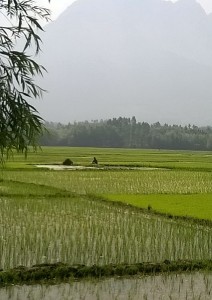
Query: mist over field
[(150, 59)]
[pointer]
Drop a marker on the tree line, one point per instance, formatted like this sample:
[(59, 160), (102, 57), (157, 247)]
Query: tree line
[(127, 133)]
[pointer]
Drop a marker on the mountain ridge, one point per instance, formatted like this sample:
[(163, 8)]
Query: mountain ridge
[(116, 57)]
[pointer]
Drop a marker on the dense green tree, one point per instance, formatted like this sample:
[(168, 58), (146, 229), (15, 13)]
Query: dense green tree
[(20, 123), (128, 133)]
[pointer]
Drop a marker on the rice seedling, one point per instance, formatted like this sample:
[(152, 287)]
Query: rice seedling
[(194, 160), (50, 216), (118, 182), (80, 231), (191, 205)]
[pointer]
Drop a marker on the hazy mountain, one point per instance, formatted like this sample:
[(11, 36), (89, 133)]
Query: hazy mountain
[(148, 58)]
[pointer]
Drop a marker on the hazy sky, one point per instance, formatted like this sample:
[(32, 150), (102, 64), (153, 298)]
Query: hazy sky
[(206, 4), (57, 6)]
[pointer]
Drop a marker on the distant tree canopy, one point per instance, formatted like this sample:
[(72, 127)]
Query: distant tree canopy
[(128, 133), (20, 124)]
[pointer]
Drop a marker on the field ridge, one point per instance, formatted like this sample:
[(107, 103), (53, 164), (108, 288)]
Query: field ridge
[(60, 272)]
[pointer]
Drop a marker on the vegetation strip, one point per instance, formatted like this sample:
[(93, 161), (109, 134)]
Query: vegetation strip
[(60, 271), (127, 133), (151, 211)]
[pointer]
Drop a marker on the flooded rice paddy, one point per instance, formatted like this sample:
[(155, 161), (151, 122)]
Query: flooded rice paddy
[(72, 168), (175, 286)]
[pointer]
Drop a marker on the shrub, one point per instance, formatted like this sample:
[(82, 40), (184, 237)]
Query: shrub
[(68, 162)]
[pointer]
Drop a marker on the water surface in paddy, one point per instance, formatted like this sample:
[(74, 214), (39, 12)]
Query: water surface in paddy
[(175, 286), (72, 168)]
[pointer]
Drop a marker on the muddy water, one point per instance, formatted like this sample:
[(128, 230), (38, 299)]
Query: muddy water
[(175, 287), (62, 168)]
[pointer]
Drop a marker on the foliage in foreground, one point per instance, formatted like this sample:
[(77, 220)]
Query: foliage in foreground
[(20, 124)]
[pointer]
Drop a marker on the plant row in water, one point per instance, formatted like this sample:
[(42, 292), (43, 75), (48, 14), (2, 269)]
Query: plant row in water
[(77, 230)]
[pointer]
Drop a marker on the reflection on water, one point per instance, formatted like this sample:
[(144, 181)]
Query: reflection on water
[(175, 286)]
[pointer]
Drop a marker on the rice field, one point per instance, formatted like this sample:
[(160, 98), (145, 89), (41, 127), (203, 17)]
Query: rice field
[(187, 160), (119, 181), (184, 205), (81, 231), (49, 216)]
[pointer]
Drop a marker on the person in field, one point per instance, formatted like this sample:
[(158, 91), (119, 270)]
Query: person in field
[(95, 161)]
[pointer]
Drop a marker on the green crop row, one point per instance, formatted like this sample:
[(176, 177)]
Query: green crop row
[(118, 182), (108, 156), (77, 230), (195, 206)]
